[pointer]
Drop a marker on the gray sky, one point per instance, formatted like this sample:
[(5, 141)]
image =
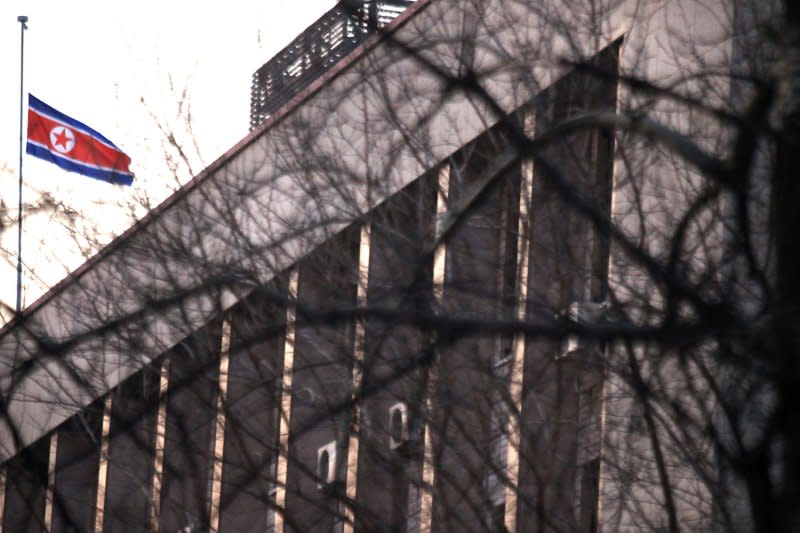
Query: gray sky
[(95, 60)]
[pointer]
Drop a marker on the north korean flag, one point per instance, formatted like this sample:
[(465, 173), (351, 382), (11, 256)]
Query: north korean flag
[(72, 145)]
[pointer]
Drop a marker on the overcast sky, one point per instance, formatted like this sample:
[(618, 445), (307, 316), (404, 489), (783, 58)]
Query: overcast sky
[(96, 60)]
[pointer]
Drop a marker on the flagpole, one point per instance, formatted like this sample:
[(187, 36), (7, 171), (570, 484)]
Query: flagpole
[(22, 19)]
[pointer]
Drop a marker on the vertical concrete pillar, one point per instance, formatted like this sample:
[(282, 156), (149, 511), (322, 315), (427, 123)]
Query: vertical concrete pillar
[(518, 347), (2, 495), (51, 482), (219, 429), (351, 474), (161, 433), (286, 404), (102, 468), (440, 254)]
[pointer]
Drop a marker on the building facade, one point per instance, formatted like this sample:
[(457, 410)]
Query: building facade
[(375, 312)]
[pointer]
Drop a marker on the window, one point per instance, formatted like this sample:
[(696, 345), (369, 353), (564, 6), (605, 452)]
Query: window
[(590, 492), (398, 425), (326, 465)]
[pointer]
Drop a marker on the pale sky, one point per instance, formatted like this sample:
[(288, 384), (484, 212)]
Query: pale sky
[(95, 60)]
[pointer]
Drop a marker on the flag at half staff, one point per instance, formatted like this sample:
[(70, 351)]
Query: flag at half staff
[(72, 145)]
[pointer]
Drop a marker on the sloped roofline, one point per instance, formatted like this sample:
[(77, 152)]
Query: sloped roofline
[(340, 67)]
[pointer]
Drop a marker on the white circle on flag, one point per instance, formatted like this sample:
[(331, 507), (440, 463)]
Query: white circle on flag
[(62, 139)]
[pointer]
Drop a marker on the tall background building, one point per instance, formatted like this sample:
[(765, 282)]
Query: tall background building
[(312, 53)]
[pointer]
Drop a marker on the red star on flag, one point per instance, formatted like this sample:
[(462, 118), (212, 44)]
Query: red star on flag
[(61, 139)]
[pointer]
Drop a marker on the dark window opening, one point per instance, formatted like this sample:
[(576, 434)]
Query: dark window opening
[(590, 492), (324, 466), (398, 433)]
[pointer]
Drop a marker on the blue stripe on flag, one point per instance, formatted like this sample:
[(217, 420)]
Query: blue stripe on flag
[(111, 176)]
